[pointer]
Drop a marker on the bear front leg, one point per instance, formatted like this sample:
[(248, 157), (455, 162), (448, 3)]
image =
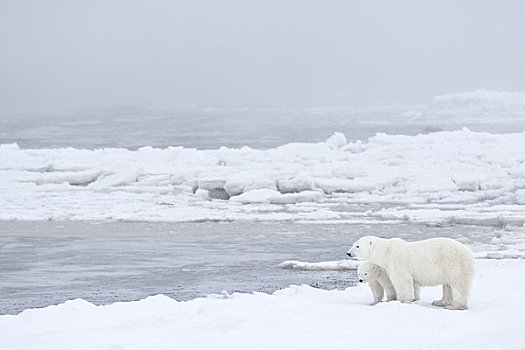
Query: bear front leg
[(377, 291), (417, 290), (390, 292), (404, 285), (386, 283)]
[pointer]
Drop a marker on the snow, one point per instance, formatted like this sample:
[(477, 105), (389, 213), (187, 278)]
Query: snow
[(298, 317), (445, 177), (271, 196)]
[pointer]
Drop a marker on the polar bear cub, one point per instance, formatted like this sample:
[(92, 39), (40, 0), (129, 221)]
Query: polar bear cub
[(377, 280), (431, 262)]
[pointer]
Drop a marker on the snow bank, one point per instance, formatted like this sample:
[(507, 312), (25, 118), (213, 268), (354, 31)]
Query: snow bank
[(444, 177), (299, 317)]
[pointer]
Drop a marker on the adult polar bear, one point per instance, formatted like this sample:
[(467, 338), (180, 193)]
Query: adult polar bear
[(429, 262)]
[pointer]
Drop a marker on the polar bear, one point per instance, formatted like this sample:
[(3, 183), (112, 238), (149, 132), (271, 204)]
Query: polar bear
[(378, 281), (429, 262)]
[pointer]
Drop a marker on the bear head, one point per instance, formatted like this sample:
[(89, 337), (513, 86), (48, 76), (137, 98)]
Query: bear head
[(367, 272), (362, 248)]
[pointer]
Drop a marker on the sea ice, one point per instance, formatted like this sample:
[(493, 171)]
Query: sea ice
[(449, 176)]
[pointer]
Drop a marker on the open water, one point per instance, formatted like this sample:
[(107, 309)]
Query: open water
[(46, 263)]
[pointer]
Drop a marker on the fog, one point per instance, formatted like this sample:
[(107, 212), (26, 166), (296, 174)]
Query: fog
[(58, 55)]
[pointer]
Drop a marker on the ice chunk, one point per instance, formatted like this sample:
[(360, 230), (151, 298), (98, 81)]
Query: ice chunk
[(80, 178), (219, 193), (331, 185), (296, 184), (275, 197), (120, 178), (337, 140), (211, 183), (234, 187), (256, 196), (320, 266), (292, 198), (247, 182), (202, 193)]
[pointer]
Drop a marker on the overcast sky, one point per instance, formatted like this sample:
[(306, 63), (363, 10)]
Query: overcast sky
[(56, 55)]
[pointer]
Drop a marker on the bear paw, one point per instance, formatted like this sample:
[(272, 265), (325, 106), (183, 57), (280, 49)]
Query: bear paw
[(456, 307), (440, 303)]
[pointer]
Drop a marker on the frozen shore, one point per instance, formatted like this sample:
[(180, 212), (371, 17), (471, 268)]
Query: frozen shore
[(298, 317), (49, 262), (44, 263)]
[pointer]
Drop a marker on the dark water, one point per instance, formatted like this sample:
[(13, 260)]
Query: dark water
[(261, 129), (44, 263), (125, 127)]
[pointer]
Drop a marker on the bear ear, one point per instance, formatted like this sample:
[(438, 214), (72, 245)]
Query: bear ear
[(373, 267)]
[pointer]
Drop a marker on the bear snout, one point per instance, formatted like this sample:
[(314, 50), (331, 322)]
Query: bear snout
[(349, 254), (361, 281)]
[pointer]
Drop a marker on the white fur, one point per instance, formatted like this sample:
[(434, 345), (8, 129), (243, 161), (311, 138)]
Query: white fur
[(377, 280), (429, 262)]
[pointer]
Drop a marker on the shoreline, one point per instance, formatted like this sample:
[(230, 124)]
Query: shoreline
[(296, 317), (49, 262)]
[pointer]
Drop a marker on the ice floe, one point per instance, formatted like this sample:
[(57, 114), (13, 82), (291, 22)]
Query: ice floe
[(320, 266), (444, 177)]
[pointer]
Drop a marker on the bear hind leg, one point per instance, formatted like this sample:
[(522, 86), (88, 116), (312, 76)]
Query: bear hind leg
[(447, 297), (459, 300)]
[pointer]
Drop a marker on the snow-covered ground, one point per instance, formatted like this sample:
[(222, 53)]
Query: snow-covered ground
[(298, 317), (455, 176)]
